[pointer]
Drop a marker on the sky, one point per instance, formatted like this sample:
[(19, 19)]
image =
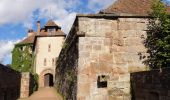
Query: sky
[(17, 16)]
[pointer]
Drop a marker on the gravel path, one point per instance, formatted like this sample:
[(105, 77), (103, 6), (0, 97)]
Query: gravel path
[(47, 93)]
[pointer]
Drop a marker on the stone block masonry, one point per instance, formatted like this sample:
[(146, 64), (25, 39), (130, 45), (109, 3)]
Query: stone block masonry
[(109, 50), (101, 58), (10, 82), (27, 84), (14, 85), (66, 70), (151, 85)]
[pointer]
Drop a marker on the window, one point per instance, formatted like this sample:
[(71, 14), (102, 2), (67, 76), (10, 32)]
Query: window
[(53, 62), (102, 81), (21, 48), (45, 62), (49, 48), (51, 31)]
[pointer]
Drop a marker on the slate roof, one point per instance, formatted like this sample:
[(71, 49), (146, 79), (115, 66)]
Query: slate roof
[(136, 7)]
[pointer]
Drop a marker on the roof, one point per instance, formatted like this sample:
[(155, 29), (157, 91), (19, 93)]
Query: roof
[(44, 32), (51, 23), (56, 33), (136, 7), (29, 39)]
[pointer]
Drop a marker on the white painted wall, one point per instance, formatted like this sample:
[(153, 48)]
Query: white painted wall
[(42, 52)]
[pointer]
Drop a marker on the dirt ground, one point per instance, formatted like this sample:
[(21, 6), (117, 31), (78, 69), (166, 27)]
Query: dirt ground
[(46, 93)]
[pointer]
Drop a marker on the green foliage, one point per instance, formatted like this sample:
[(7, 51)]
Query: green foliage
[(36, 78), (22, 58), (158, 37)]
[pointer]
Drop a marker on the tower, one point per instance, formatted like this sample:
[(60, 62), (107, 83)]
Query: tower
[(47, 46)]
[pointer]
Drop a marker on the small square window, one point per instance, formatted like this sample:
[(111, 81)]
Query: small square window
[(102, 81)]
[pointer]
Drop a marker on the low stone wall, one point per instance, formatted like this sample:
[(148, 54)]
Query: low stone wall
[(14, 85), (9, 83), (66, 68), (151, 85), (27, 85)]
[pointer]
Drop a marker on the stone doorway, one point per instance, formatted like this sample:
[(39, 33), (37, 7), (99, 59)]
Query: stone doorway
[(48, 80)]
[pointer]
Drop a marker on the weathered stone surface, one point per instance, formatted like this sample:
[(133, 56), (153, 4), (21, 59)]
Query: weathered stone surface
[(83, 89), (9, 83), (127, 25), (67, 63), (96, 47), (110, 47), (151, 85), (15, 85), (106, 58)]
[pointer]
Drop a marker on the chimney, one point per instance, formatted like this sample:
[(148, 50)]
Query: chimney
[(38, 27), (30, 33)]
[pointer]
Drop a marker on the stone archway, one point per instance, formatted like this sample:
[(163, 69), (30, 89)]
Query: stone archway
[(46, 78)]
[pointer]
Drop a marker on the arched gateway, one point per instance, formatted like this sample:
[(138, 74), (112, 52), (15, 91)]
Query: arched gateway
[(46, 78)]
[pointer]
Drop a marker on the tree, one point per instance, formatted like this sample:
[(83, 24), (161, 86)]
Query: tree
[(158, 37)]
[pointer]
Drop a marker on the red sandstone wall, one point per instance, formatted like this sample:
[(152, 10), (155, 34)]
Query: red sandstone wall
[(110, 48)]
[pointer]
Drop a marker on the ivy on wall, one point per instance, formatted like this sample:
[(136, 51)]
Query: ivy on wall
[(22, 57)]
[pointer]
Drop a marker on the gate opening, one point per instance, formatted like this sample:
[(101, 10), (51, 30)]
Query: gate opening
[(48, 80)]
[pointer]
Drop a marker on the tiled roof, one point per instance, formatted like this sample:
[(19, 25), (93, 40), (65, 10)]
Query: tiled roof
[(136, 7), (29, 39), (51, 23)]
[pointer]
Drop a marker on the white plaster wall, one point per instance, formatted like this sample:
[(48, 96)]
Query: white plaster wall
[(42, 52)]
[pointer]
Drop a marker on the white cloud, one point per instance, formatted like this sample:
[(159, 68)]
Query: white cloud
[(23, 11), (66, 22), (6, 48), (27, 11)]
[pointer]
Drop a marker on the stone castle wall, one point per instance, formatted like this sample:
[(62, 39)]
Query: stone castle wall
[(27, 84), (66, 68), (10, 82), (151, 85), (98, 56), (14, 85), (108, 53)]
